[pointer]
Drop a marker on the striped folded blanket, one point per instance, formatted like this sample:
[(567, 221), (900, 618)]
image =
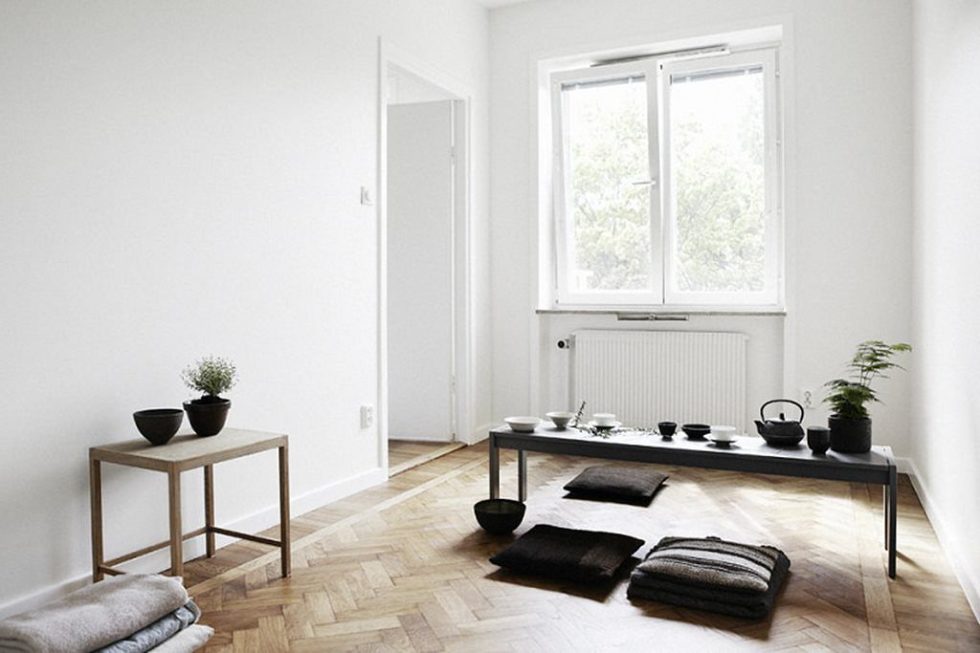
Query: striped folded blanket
[(711, 574)]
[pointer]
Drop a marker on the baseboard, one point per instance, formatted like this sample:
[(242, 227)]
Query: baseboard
[(958, 558), (418, 438), (480, 433), (251, 523)]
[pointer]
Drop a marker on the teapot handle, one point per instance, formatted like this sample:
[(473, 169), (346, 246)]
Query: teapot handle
[(762, 411)]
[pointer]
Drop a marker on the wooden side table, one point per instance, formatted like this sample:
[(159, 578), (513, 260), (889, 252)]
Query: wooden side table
[(183, 453)]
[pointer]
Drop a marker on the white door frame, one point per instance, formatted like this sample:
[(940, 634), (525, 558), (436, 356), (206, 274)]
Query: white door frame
[(462, 327)]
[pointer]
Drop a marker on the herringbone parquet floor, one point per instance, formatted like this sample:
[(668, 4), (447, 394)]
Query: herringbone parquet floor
[(403, 567)]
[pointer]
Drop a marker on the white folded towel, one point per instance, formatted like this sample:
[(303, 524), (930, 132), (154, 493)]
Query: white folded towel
[(187, 640), (94, 616)]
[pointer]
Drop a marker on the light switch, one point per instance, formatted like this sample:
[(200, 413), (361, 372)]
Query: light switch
[(366, 198)]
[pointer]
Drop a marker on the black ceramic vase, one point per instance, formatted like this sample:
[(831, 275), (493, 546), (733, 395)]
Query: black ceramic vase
[(848, 435), (207, 415)]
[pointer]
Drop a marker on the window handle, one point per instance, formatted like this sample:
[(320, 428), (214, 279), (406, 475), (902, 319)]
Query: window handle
[(644, 182)]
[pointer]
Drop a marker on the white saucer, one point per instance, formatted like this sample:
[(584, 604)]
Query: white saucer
[(724, 442), (606, 427)]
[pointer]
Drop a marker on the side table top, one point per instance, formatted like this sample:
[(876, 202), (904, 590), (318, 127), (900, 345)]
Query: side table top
[(187, 450)]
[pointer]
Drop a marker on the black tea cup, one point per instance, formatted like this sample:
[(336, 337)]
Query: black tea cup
[(818, 439)]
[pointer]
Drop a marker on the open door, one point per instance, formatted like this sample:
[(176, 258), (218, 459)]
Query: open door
[(420, 195)]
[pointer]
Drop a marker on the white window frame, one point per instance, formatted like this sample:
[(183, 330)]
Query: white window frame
[(656, 73)]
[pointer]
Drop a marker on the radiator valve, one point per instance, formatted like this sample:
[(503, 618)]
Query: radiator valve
[(565, 343)]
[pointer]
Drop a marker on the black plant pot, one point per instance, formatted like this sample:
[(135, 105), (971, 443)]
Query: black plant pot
[(849, 435), (207, 415)]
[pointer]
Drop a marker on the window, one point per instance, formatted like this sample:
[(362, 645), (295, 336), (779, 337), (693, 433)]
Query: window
[(667, 182)]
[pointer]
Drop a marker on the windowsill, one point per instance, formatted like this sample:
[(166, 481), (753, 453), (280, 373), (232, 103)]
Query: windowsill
[(664, 313)]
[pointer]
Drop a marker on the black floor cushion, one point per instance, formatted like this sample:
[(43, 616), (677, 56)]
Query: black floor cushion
[(569, 554), (621, 483), (711, 574)]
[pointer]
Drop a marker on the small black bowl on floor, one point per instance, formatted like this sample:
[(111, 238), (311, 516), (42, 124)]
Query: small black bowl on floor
[(158, 425), (499, 516)]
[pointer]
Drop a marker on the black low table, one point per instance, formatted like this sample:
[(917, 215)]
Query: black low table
[(748, 454)]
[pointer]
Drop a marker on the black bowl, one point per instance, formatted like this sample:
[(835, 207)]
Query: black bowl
[(499, 516), (667, 428), (158, 425), (696, 431)]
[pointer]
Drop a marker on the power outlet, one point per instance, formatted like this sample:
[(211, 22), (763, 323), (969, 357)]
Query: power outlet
[(367, 417), (807, 398)]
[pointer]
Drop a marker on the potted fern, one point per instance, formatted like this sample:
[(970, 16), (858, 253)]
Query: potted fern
[(850, 424), (211, 376)]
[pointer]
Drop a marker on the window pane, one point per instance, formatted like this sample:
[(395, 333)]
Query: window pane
[(608, 238), (717, 139)]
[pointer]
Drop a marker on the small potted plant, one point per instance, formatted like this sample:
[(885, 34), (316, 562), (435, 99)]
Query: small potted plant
[(850, 424), (211, 376)]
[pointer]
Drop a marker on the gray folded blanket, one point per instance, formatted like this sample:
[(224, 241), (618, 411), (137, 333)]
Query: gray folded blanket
[(157, 632), (711, 574), (94, 616)]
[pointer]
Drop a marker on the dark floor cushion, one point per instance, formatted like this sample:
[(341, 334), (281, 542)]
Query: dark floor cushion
[(711, 574), (620, 483), (569, 554)]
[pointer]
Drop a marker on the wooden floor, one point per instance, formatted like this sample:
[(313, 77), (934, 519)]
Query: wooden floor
[(404, 455), (403, 567)]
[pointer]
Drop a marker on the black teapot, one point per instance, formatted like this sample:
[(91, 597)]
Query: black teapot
[(782, 431)]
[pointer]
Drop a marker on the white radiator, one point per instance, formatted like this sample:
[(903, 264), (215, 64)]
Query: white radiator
[(647, 377)]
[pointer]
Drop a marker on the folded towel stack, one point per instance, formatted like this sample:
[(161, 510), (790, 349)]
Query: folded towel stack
[(711, 574), (125, 614)]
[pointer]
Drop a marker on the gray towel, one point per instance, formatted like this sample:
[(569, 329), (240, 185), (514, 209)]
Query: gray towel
[(94, 616), (157, 632), (187, 640)]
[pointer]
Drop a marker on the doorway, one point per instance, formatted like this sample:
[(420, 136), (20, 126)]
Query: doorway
[(425, 195)]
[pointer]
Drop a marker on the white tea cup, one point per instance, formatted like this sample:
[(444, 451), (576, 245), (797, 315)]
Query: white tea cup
[(604, 419), (723, 433)]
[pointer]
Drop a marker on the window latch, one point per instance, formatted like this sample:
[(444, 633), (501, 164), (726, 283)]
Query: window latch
[(644, 182)]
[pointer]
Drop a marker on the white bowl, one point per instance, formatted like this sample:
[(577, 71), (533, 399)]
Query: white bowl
[(604, 419), (560, 418), (522, 424), (723, 433)]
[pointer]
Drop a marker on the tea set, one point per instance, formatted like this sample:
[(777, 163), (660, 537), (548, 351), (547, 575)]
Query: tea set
[(779, 432)]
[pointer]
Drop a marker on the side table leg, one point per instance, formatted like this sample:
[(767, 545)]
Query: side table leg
[(95, 496), (176, 533), (521, 475), (284, 542), (892, 517), (494, 468), (209, 509)]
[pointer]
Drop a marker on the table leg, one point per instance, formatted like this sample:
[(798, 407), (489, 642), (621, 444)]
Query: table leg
[(521, 475), (884, 511), (284, 542), (176, 532), (209, 509), (95, 496), (892, 517), (494, 468)]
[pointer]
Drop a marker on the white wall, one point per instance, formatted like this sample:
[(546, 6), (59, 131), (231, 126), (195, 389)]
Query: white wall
[(179, 179), (946, 363), (847, 102)]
